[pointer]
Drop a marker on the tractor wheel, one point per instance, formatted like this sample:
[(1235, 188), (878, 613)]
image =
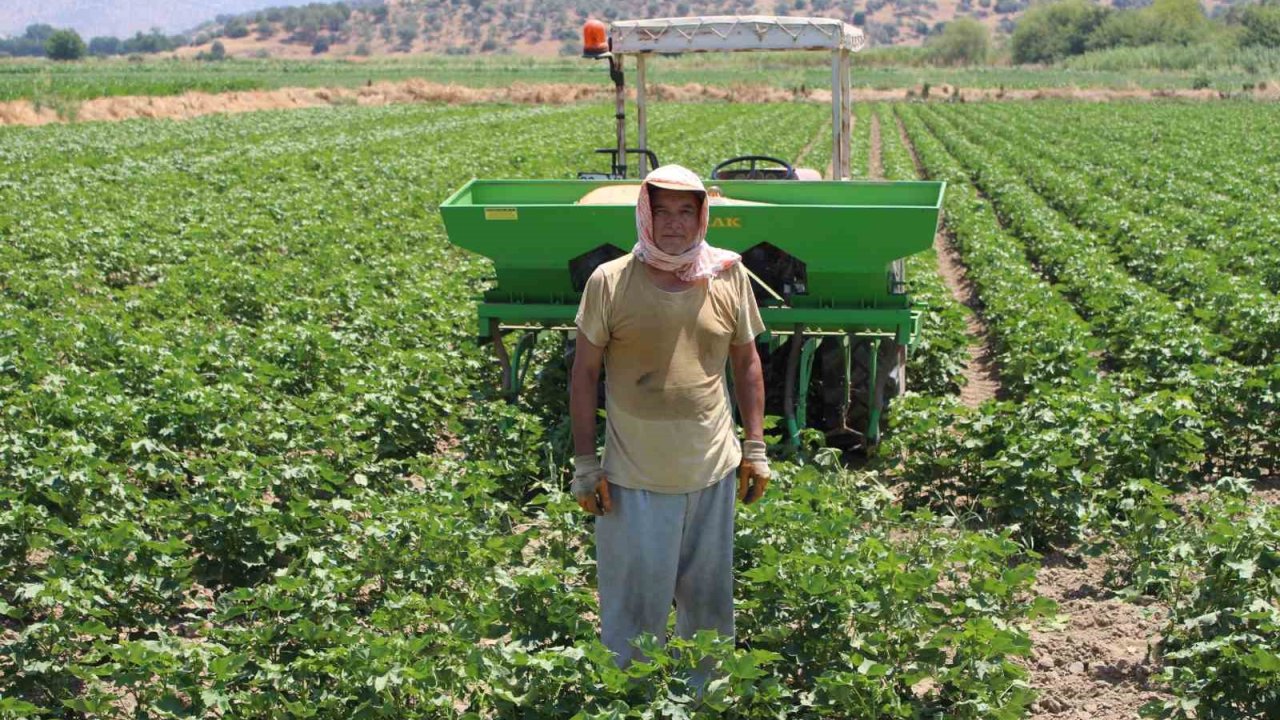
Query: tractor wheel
[(892, 370), (841, 411), (844, 411)]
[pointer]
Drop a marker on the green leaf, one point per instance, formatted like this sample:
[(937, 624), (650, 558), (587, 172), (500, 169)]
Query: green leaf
[(872, 669), (1261, 659), (1245, 568)]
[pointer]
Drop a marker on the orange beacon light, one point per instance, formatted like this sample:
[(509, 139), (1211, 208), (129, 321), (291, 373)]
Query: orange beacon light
[(595, 40)]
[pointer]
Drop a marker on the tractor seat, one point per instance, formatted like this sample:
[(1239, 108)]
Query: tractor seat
[(803, 174), (627, 194)]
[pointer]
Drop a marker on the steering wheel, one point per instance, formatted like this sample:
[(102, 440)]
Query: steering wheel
[(754, 173)]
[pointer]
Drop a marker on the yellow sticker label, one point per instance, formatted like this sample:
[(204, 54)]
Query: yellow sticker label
[(501, 214), (728, 222)]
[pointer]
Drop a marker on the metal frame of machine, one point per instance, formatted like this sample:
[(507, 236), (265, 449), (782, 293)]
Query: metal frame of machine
[(853, 300), (732, 33)]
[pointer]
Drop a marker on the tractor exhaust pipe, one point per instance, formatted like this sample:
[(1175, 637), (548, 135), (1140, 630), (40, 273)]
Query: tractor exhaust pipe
[(620, 113), (597, 45)]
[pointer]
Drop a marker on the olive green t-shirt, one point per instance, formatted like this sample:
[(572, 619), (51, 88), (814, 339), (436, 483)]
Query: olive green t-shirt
[(668, 424)]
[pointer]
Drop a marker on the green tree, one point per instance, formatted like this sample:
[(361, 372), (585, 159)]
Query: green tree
[(1178, 22), (1124, 28), (104, 45), (1053, 31), (216, 52), (963, 41), (153, 42), (64, 45), (236, 28), (1261, 26), (39, 32), (406, 31), (1165, 22)]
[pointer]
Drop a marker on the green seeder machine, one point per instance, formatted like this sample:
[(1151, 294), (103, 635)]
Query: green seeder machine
[(825, 256)]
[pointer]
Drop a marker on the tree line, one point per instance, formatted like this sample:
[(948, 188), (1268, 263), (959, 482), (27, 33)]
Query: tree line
[(1053, 32), (43, 40)]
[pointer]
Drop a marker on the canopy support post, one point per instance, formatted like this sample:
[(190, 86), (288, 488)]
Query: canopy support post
[(837, 134), (846, 113), (642, 117)]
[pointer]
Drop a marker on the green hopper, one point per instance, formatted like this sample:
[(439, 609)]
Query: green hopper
[(845, 289)]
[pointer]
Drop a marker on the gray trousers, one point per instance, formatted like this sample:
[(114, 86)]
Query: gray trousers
[(653, 548)]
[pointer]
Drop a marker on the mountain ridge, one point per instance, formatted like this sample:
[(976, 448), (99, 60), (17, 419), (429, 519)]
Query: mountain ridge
[(281, 28)]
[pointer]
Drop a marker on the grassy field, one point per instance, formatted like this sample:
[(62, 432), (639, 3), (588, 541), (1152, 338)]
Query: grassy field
[(42, 80)]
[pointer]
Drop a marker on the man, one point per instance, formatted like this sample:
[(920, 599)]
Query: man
[(664, 320)]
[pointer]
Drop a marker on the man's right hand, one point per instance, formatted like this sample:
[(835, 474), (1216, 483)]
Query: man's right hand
[(753, 473), (590, 485)]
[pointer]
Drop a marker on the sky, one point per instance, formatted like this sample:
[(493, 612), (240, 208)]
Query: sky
[(122, 17)]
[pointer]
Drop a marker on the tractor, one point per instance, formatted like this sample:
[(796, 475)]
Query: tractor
[(825, 255)]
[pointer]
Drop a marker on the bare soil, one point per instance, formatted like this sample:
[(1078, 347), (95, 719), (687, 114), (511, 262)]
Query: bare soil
[(981, 373), (193, 104), (1102, 664), (1267, 490)]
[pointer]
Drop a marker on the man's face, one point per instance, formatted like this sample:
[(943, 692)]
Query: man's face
[(676, 214)]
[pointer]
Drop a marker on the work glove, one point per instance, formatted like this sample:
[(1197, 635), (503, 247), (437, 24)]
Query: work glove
[(753, 472), (590, 486)]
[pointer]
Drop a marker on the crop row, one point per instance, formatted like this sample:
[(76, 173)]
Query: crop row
[(1037, 336), (1214, 562), (1233, 134), (1146, 335), (1241, 309), (208, 373), (936, 364), (1053, 458), (1144, 330), (1202, 173), (860, 142)]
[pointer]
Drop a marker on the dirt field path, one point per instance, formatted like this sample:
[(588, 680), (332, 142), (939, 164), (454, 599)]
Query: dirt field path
[(875, 165), (808, 148), (982, 375)]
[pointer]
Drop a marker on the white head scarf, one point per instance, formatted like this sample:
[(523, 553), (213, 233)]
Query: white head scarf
[(698, 262)]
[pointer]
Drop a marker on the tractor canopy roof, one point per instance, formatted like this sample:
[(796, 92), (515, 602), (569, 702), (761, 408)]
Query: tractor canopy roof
[(721, 33)]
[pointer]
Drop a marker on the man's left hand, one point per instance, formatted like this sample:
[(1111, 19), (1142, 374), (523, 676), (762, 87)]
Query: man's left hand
[(753, 473), (590, 485)]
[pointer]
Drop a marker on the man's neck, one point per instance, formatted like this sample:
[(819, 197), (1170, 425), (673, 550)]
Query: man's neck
[(666, 279)]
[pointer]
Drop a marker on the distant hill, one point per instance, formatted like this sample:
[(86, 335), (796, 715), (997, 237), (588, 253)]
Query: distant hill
[(460, 27), (121, 18), (550, 27)]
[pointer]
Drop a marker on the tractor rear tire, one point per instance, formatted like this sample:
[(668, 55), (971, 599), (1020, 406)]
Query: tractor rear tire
[(849, 432), (892, 369)]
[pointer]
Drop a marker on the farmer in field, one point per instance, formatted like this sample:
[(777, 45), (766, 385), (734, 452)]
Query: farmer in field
[(664, 320)]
